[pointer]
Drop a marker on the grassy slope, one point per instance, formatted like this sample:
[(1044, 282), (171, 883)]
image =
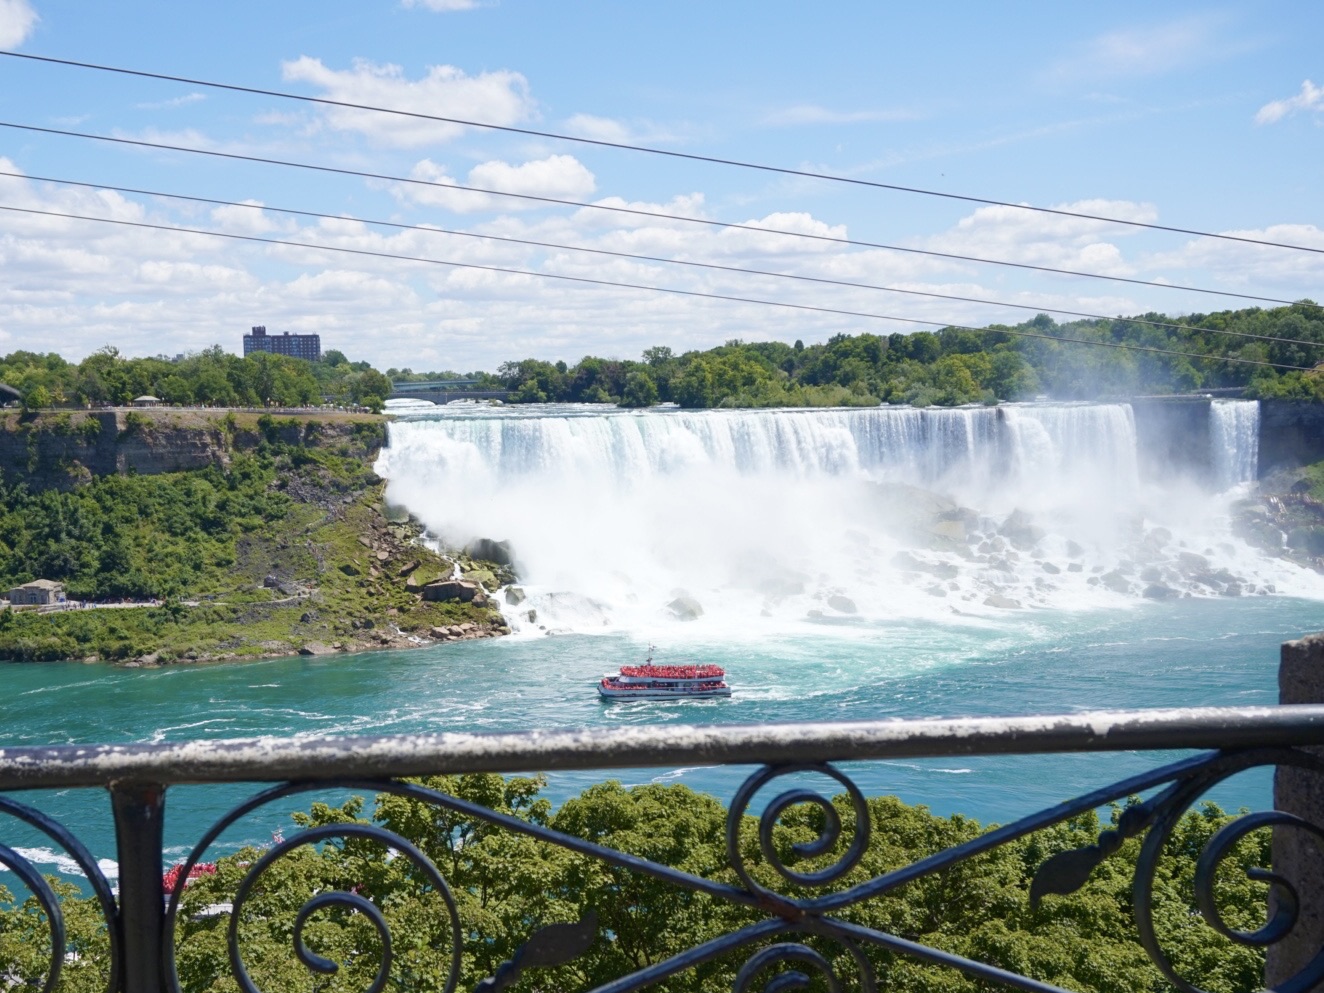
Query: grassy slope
[(312, 522)]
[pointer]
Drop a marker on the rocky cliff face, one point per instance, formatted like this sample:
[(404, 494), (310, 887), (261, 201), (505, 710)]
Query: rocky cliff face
[(59, 450)]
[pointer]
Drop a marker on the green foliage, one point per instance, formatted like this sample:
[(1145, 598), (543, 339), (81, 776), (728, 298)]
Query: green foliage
[(954, 365), (211, 378), (507, 885)]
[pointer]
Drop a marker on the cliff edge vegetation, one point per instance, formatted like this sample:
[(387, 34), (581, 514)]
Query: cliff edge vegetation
[(199, 535)]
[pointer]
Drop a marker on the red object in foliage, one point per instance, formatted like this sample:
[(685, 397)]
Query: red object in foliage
[(171, 878)]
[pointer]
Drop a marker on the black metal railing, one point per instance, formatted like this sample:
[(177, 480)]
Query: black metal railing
[(787, 933)]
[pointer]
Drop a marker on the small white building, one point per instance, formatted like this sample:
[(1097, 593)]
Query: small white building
[(39, 592), (146, 401)]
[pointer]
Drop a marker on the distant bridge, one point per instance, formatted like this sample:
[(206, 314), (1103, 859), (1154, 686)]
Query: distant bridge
[(445, 390)]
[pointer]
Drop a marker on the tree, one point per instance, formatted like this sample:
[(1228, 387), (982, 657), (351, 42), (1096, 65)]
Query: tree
[(640, 390)]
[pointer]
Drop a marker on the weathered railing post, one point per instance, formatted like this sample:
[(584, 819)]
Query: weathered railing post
[(1296, 854), (139, 812)]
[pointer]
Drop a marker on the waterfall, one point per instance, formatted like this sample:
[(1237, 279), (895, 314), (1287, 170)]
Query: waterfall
[(838, 515), (1234, 441)]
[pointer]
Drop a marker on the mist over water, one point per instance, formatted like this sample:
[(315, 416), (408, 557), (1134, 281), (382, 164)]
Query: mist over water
[(775, 520)]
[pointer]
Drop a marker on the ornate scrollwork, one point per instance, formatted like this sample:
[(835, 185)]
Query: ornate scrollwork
[(47, 899), (1165, 811), (50, 905), (343, 899), (555, 944), (825, 842), (784, 954), (352, 901)]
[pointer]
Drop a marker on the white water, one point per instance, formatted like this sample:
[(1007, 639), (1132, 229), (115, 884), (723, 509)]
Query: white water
[(773, 520), (1234, 441)]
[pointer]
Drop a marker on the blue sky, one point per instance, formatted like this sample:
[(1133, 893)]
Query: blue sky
[(1195, 115)]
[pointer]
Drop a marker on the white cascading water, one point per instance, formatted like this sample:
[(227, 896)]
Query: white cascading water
[(842, 517), (1234, 441)]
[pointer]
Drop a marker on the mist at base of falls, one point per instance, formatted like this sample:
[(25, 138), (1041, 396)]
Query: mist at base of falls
[(777, 520)]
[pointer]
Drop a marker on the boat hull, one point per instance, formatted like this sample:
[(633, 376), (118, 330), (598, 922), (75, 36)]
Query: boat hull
[(609, 693)]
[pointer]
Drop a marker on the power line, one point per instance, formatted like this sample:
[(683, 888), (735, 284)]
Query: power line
[(656, 215), (426, 229), (590, 281), (688, 156)]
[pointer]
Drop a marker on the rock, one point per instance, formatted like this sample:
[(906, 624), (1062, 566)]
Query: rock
[(514, 596), (685, 608), (1151, 574), (532, 615), (844, 604), (365, 542), (1232, 589), (1074, 550), (349, 569), (1005, 602), (306, 618), (483, 577), (1116, 582), (450, 589), (480, 600), (316, 648), (368, 623), (408, 567), (1157, 591), (953, 530), (383, 555), (487, 550), (1075, 567), (1020, 531), (1051, 569), (1190, 563)]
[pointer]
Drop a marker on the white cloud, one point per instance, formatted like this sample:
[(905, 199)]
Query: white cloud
[(1149, 49), (560, 176), (440, 5), (598, 128), (1311, 97), (183, 101), (808, 113), (17, 19), (499, 97)]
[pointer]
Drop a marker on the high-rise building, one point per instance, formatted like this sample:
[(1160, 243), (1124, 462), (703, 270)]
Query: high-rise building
[(299, 346)]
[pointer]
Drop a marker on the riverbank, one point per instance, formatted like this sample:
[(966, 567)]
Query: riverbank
[(260, 537)]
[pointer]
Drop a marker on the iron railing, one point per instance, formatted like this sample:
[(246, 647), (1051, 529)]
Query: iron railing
[(141, 924)]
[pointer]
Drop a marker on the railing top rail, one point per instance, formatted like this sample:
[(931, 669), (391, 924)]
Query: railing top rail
[(272, 759)]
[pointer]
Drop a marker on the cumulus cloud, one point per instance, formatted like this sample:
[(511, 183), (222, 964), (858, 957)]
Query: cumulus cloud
[(499, 97), (17, 19), (1311, 97), (560, 176), (598, 128)]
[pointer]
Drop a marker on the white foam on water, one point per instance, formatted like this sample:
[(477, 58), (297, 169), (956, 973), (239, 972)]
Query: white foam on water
[(835, 522)]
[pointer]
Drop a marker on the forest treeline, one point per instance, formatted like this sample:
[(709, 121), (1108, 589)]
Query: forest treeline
[(507, 885), (212, 377), (945, 367), (958, 366)]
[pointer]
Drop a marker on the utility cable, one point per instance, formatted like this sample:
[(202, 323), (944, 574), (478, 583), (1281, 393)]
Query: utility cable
[(713, 266), (634, 211), (590, 281), (669, 153)]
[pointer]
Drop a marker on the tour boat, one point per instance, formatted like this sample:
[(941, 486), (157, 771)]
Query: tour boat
[(656, 682)]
